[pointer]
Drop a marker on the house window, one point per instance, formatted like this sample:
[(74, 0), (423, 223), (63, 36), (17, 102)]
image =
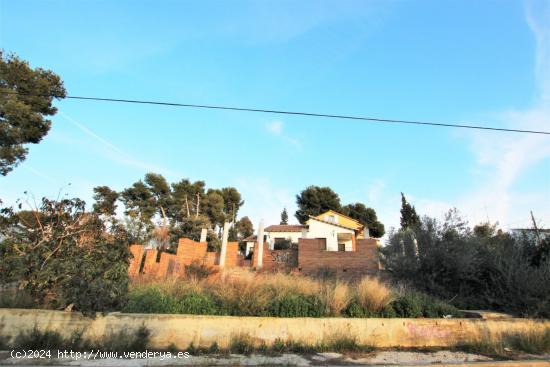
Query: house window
[(330, 218), (282, 243), (341, 247)]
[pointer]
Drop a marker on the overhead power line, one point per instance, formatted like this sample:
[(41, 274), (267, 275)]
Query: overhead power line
[(295, 113)]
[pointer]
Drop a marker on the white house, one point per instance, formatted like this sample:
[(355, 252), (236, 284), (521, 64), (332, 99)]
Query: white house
[(339, 231)]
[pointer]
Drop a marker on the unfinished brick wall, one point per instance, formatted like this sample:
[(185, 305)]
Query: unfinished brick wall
[(189, 251), (150, 266), (274, 260), (135, 261), (173, 265), (232, 257), (312, 257), (309, 258)]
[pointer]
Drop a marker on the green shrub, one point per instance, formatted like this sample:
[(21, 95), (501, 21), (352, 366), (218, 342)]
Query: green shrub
[(342, 344), (241, 344), (61, 254), (407, 306), (435, 308), (151, 300), (15, 298), (355, 309), (388, 312), (296, 305), (198, 304)]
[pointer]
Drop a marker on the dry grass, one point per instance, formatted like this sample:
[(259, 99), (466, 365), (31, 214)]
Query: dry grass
[(373, 295), (251, 293), (508, 343), (336, 296), (285, 283), (176, 287)]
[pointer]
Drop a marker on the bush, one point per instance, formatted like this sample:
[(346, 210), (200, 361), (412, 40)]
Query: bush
[(409, 305), (341, 344), (296, 305), (479, 269), (14, 298), (198, 304), (151, 300), (66, 256), (241, 344), (415, 304)]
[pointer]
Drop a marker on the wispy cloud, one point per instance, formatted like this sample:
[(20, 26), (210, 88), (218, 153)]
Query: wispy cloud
[(265, 200), (504, 159), (276, 127), (114, 153)]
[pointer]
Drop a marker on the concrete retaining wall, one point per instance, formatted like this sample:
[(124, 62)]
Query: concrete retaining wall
[(181, 330)]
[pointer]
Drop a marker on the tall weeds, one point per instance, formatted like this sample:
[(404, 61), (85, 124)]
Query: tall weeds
[(281, 295), (373, 295)]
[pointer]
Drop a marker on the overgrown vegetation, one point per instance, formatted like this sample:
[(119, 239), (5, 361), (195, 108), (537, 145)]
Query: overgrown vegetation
[(60, 256), (479, 268), (503, 345), (245, 344), (281, 295), (120, 341)]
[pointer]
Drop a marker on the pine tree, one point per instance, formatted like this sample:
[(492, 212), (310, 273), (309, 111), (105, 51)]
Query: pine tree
[(409, 218), (284, 217)]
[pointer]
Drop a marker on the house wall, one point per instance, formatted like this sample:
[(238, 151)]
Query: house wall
[(342, 220), (293, 236), (329, 232), (312, 257)]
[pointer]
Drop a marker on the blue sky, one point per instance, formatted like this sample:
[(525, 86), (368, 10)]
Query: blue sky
[(483, 62)]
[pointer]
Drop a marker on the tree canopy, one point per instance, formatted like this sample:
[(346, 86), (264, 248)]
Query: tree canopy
[(284, 217), (365, 216), (64, 256), (26, 100), (409, 218), (183, 207), (315, 200)]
